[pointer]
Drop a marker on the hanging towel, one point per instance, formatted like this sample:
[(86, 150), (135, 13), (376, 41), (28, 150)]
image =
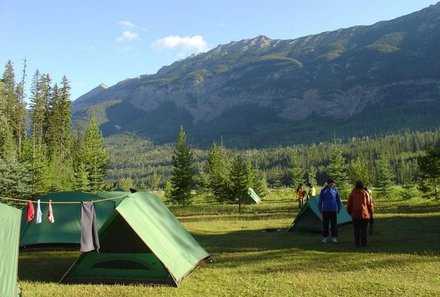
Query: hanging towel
[(30, 211), (39, 213), (50, 216), (89, 231)]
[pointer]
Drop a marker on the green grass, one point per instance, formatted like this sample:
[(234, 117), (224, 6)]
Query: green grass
[(402, 257)]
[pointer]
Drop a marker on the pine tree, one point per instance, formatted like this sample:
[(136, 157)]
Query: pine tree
[(218, 172), (95, 156), (311, 176), (384, 175), (296, 170), (429, 168), (183, 171), (337, 167), (81, 175), (37, 108), (238, 180), (260, 183), (13, 105), (359, 171), (20, 112)]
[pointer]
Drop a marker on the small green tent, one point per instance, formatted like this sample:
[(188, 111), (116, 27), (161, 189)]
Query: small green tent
[(142, 242), (66, 231), (251, 197), (309, 217), (9, 237)]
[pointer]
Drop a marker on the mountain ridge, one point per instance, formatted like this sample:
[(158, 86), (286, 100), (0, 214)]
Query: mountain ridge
[(242, 90)]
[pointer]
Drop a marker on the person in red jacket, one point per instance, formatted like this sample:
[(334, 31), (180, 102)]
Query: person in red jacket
[(300, 195), (360, 208)]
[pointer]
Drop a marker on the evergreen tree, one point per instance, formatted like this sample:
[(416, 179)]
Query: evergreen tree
[(95, 156), (81, 174), (38, 107), (238, 180), (35, 154), (311, 176), (168, 189), (8, 146), (20, 112), (15, 179), (13, 105), (260, 184), (183, 171), (337, 168), (218, 172), (296, 170), (429, 168), (153, 181), (384, 176), (358, 170)]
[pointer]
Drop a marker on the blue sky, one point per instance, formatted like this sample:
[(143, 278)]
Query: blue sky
[(97, 41)]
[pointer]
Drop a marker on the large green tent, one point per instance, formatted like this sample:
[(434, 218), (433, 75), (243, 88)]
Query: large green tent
[(66, 231), (309, 217), (9, 237), (142, 242)]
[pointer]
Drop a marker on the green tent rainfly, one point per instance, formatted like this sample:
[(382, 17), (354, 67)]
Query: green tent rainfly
[(9, 237), (141, 242), (251, 197), (309, 218), (66, 231)]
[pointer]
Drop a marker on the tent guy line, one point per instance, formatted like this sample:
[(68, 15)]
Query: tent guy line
[(59, 202)]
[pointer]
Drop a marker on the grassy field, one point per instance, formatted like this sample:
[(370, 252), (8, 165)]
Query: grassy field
[(402, 257)]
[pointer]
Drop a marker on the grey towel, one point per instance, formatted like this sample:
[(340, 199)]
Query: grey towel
[(89, 231)]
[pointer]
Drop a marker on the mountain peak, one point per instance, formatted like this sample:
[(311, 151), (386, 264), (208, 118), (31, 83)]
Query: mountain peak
[(262, 92), (92, 93)]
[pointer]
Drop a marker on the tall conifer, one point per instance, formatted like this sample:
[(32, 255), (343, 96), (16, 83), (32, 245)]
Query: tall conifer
[(182, 172)]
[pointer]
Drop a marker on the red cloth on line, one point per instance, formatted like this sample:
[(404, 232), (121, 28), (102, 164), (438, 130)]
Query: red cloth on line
[(30, 212)]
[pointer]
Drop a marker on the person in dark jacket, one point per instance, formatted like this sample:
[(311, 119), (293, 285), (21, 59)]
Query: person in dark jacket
[(329, 205), (360, 208)]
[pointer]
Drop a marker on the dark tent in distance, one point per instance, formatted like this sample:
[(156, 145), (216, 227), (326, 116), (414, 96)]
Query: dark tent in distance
[(9, 237), (66, 231), (309, 218), (141, 242)]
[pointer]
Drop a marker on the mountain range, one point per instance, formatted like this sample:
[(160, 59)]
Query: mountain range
[(262, 92)]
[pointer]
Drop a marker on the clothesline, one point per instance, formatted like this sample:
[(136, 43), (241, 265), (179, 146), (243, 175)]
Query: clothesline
[(63, 202)]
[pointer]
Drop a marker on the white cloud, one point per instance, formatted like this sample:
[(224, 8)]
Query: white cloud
[(185, 43), (126, 24), (127, 36)]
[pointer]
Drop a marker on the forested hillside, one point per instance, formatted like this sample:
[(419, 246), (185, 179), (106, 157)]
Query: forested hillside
[(139, 163)]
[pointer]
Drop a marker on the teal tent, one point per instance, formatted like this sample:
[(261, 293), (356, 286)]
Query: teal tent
[(142, 242), (251, 197), (309, 217), (66, 206), (9, 237)]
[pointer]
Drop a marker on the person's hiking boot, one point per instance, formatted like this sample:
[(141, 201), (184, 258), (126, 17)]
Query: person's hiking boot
[(334, 240), (324, 240)]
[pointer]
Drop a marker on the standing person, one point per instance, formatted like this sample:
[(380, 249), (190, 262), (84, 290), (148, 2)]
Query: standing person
[(360, 208), (370, 229), (329, 205), (300, 195)]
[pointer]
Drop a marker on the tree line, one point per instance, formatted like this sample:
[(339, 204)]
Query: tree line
[(378, 161), (40, 151)]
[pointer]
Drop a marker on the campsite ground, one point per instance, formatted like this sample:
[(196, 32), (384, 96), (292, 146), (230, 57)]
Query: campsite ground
[(253, 255)]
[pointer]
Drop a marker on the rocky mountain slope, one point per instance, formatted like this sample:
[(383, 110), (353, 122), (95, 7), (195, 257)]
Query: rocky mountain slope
[(260, 92)]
